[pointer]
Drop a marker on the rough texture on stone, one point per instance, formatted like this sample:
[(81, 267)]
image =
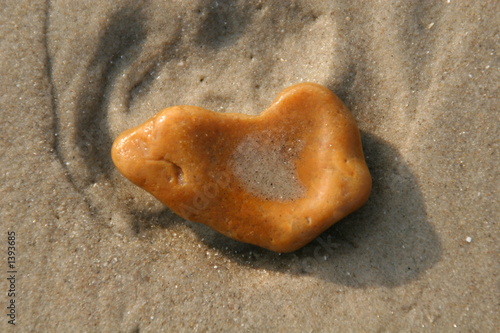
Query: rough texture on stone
[(276, 180)]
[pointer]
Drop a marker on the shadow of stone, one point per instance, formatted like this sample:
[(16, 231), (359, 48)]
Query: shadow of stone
[(387, 242), (144, 221)]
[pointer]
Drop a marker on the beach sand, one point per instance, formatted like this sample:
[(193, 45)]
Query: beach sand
[(95, 253)]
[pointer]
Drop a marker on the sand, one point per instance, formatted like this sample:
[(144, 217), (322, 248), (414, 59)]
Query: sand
[(95, 253)]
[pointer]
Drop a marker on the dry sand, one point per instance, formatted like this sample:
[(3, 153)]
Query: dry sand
[(94, 253)]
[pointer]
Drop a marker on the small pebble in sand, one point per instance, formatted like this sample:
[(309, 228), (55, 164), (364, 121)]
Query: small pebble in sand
[(276, 180), (468, 239)]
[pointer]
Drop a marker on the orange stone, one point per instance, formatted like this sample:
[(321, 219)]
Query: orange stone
[(276, 180)]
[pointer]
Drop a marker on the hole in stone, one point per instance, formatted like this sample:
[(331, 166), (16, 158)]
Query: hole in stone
[(179, 174)]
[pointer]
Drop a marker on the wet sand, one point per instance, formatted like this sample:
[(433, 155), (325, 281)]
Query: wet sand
[(95, 253)]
